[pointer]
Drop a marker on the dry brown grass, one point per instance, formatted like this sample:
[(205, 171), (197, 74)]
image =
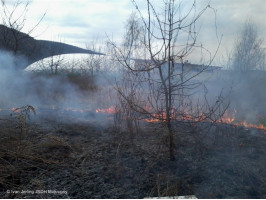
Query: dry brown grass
[(24, 156), (83, 82)]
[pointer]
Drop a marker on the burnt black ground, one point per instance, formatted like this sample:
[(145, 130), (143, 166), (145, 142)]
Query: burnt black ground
[(92, 161)]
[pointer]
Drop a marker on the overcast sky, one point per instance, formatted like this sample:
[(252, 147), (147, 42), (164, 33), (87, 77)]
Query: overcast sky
[(79, 22)]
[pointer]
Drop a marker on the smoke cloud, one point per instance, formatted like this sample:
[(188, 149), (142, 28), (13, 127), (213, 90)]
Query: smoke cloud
[(46, 92)]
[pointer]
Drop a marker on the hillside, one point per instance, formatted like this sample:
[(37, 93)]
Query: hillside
[(33, 50)]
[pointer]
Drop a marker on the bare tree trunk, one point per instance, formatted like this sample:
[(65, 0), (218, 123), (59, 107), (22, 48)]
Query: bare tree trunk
[(162, 75), (171, 141)]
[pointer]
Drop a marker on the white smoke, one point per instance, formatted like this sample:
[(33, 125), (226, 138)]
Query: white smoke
[(19, 88)]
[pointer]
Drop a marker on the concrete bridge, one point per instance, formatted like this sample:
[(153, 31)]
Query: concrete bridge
[(32, 50)]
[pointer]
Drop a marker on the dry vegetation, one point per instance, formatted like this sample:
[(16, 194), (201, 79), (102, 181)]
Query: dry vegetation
[(91, 161), (130, 158), (84, 82)]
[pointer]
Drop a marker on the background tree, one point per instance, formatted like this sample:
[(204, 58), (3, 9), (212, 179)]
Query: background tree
[(248, 52), (247, 62), (94, 63), (14, 19), (161, 86)]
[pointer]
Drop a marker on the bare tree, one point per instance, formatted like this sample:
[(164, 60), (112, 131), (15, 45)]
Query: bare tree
[(248, 52), (14, 18), (160, 85), (50, 65), (94, 63)]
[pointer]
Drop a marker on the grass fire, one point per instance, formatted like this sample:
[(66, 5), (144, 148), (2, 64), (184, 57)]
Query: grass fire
[(153, 114)]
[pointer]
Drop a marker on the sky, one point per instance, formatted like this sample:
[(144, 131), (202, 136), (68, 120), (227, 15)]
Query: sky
[(81, 22)]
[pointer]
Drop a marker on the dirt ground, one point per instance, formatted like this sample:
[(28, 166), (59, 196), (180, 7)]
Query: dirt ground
[(55, 158)]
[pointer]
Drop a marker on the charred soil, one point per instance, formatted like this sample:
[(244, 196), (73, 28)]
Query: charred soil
[(90, 161)]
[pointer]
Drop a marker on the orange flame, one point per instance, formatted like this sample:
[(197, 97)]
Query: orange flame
[(228, 118), (110, 110), (249, 125), (15, 110)]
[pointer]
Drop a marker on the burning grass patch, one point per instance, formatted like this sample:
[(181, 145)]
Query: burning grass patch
[(90, 161)]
